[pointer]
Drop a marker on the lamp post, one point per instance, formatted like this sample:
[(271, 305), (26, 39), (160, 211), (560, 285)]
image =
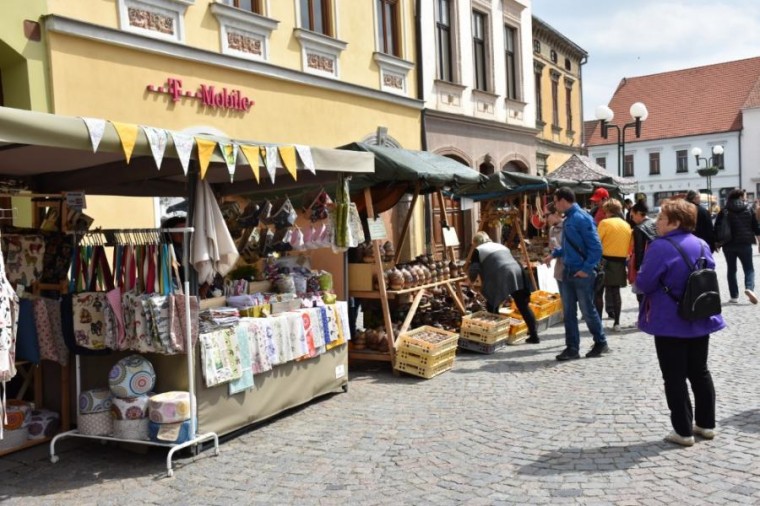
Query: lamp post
[(604, 114), (711, 168)]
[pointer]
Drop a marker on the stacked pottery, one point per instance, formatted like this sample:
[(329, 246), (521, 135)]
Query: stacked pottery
[(15, 422), (170, 420), (130, 381), (94, 415)]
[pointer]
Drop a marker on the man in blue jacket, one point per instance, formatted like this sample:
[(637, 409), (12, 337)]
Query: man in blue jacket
[(581, 251)]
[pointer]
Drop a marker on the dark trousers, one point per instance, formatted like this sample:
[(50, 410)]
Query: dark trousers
[(522, 301), (681, 359), (609, 296)]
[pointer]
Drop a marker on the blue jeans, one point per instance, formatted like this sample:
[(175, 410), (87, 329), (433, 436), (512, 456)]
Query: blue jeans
[(579, 292), (744, 253)]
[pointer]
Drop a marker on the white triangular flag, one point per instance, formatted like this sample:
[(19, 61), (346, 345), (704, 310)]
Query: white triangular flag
[(184, 146), (230, 152), (304, 153), (271, 161), (157, 139), (96, 127)]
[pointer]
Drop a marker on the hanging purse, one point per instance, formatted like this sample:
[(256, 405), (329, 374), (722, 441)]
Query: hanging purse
[(89, 317), (285, 216)]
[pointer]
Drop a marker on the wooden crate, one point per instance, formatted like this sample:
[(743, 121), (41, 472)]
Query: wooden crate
[(427, 341)]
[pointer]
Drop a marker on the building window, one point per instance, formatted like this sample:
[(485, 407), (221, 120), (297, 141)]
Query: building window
[(654, 164), (315, 16), (536, 46), (682, 160), (569, 105), (553, 56), (388, 27), (242, 33), (718, 161), (443, 40), (555, 98), (256, 6), (628, 166), (510, 35), (538, 71), (602, 162), (568, 65), (542, 164), (479, 45)]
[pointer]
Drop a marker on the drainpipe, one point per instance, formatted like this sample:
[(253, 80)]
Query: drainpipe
[(584, 148), (428, 211), (741, 182)]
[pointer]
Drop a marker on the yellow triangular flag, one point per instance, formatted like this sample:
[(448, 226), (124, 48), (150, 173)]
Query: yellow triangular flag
[(252, 155), (288, 156), (205, 150), (128, 136)]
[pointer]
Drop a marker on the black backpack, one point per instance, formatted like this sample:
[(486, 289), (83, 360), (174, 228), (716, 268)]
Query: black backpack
[(701, 297)]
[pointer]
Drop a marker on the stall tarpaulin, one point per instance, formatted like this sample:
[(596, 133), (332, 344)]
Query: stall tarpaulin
[(396, 165), (583, 169), (55, 153), (502, 184)]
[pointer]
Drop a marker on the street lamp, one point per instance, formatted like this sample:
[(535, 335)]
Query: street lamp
[(604, 114), (711, 168)]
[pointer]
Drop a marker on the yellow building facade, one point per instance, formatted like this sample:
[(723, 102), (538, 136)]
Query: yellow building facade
[(557, 68), (263, 70)]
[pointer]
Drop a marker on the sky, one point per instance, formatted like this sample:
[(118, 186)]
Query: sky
[(631, 38)]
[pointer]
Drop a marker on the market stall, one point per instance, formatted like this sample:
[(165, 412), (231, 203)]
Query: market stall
[(422, 283), (42, 152), (582, 169)]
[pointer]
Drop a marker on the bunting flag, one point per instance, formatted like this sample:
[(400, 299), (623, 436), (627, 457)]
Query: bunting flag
[(288, 157), (96, 127), (157, 139), (304, 152), (269, 153), (205, 150), (251, 154), (184, 146), (230, 152), (128, 136)]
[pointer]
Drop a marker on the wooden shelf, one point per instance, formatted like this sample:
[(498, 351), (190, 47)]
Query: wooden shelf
[(374, 294), (29, 443), (379, 356)]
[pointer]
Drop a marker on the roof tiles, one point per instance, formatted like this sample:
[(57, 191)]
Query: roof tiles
[(681, 103)]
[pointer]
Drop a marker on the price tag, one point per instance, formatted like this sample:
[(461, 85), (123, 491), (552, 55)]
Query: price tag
[(76, 200), (377, 229)]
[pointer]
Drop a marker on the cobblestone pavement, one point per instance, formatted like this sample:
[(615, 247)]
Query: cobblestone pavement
[(515, 427)]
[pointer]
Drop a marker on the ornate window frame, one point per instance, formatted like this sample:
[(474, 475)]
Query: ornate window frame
[(393, 73), (249, 31), (320, 54), (158, 12)]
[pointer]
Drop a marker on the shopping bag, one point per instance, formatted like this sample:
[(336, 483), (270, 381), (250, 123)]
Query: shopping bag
[(88, 308)]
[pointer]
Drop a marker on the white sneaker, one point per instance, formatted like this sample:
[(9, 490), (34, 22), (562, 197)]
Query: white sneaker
[(705, 433), (751, 296), (678, 439), (616, 327), (733, 300)]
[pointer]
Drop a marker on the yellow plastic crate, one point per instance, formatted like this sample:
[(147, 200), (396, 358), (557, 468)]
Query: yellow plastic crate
[(427, 341), (485, 327), (425, 360), (426, 372)]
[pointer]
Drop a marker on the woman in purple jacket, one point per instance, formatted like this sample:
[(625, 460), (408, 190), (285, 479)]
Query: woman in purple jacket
[(682, 345)]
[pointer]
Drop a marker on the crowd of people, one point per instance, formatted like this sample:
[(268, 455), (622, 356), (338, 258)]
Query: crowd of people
[(602, 250)]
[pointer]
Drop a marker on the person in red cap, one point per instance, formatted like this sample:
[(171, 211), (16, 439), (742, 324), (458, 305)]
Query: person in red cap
[(599, 197)]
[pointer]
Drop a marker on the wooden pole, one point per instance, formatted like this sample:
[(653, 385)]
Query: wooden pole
[(448, 251), (407, 221), (381, 280)]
